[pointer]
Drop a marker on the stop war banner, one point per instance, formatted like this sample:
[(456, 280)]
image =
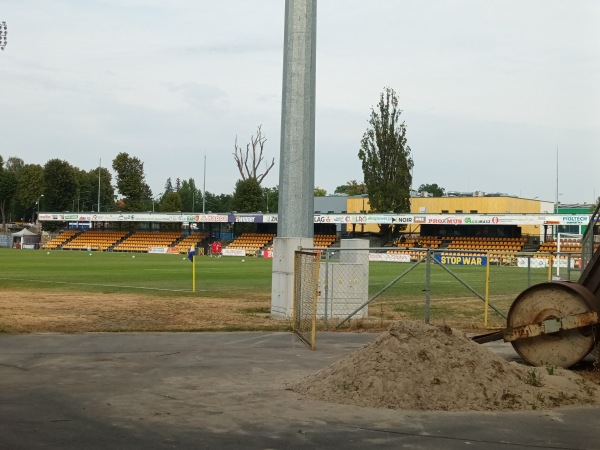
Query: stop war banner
[(458, 260)]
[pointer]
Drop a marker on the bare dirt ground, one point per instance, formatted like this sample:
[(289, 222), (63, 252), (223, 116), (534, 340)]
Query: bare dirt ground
[(416, 366)]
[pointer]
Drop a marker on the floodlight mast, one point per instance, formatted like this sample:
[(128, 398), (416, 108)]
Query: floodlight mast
[(297, 148), (204, 187), (556, 192), (99, 171), (38, 207), (295, 224)]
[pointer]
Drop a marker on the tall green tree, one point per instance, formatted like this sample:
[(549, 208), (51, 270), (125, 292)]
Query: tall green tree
[(107, 190), (191, 198), (433, 189), (60, 185), (169, 185), (386, 159), (87, 191), (8, 189), (352, 187), (30, 187), (218, 203), (131, 182), (170, 202), (271, 196), (247, 196), (14, 209), (14, 164), (320, 192), (89, 183)]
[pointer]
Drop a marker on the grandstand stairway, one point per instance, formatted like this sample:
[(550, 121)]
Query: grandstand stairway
[(57, 242), (69, 240), (531, 248), (197, 239), (111, 248), (445, 243)]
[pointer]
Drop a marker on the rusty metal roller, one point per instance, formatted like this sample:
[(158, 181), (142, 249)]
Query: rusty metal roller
[(553, 300)]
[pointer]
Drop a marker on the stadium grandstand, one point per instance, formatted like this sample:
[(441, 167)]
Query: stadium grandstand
[(195, 239), (410, 245), (323, 241), (143, 240), (462, 221), (123, 241), (252, 243), (59, 240), (94, 240)]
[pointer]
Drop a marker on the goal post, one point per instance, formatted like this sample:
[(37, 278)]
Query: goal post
[(306, 292)]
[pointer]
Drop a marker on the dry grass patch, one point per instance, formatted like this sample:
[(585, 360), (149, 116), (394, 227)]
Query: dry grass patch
[(43, 311)]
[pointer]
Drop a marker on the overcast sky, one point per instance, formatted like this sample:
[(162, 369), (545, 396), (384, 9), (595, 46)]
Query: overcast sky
[(489, 89)]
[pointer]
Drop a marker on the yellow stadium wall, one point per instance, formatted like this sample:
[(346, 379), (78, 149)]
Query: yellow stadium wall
[(451, 205), (360, 205), (478, 205), (474, 205)]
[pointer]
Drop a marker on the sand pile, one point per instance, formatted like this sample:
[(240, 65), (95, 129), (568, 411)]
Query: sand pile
[(417, 366)]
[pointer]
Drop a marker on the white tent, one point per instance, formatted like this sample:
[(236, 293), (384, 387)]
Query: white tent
[(25, 239)]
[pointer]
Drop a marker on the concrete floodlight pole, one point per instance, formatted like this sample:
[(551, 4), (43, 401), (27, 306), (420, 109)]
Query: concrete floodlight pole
[(297, 152), (295, 226)]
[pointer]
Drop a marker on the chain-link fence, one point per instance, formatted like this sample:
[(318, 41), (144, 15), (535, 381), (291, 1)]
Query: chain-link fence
[(306, 283), (464, 289)]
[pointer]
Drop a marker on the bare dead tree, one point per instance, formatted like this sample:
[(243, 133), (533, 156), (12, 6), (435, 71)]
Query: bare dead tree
[(249, 163)]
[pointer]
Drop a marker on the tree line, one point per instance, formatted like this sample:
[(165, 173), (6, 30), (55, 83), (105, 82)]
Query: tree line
[(26, 189), (386, 160)]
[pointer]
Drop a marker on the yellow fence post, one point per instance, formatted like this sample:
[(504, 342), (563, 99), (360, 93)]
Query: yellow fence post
[(487, 291), (194, 272)]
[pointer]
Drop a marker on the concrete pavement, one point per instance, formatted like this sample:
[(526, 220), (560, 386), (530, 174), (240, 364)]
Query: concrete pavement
[(157, 391)]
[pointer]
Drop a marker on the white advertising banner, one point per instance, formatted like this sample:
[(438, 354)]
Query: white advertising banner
[(233, 252), (534, 263), (342, 219), (389, 257), (162, 250)]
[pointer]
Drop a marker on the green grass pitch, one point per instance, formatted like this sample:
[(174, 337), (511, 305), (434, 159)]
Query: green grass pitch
[(227, 276), (125, 272), (454, 293)]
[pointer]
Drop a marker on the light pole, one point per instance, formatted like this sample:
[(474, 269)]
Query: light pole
[(99, 167), (154, 198), (38, 208), (267, 194), (38, 203), (204, 187)]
